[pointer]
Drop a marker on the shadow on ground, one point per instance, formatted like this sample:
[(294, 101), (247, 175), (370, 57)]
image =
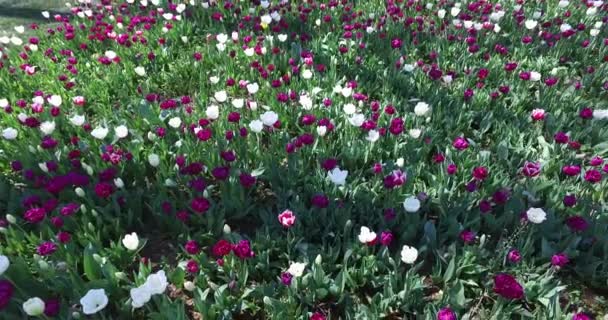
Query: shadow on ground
[(25, 13)]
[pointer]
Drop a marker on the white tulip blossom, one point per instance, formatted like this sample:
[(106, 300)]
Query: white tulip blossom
[(33, 307), (366, 235), (47, 127), (422, 109), (94, 301), (409, 254), (131, 241), (220, 96), (269, 118), (4, 264), (121, 131), (139, 296), (337, 176), (100, 133), (536, 215), (411, 204), (256, 126), (140, 71), (175, 122), (10, 133), (55, 100), (296, 269)]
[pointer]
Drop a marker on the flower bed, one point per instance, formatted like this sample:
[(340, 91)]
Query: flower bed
[(305, 160)]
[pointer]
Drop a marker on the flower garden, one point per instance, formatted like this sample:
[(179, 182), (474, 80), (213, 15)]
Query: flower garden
[(315, 159)]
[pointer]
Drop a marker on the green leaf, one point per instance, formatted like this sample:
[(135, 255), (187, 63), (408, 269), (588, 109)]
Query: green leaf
[(449, 272), (177, 277), (92, 270)]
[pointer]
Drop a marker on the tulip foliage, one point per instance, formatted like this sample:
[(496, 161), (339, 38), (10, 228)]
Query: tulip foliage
[(319, 159)]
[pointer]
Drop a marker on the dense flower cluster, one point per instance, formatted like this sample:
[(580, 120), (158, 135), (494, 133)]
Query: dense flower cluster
[(311, 159)]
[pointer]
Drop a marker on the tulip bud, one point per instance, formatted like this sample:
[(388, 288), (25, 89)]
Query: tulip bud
[(91, 226), (3, 230), (119, 183), (43, 265), (318, 259), (76, 315), (348, 224), (120, 275), (83, 208), (79, 192), (31, 149), (189, 285), (11, 219), (227, 229), (93, 212)]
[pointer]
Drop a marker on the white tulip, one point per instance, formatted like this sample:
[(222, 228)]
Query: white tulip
[(269, 118), (305, 101), (421, 109), (139, 296), (121, 131), (347, 92), (256, 126), (140, 71), (373, 136), (366, 235), (321, 131), (131, 241), (33, 307), (100, 133), (222, 38), (306, 74), (9, 133), (349, 108), (4, 264), (238, 103), (77, 120), (47, 127), (94, 301), (411, 204), (221, 96), (175, 122), (600, 114), (536, 215), (414, 133), (156, 283), (409, 254), (357, 119), (55, 100), (16, 41), (213, 112), (337, 176), (110, 54), (296, 269), (154, 160), (530, 24), (534, 76), (252, 88)]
